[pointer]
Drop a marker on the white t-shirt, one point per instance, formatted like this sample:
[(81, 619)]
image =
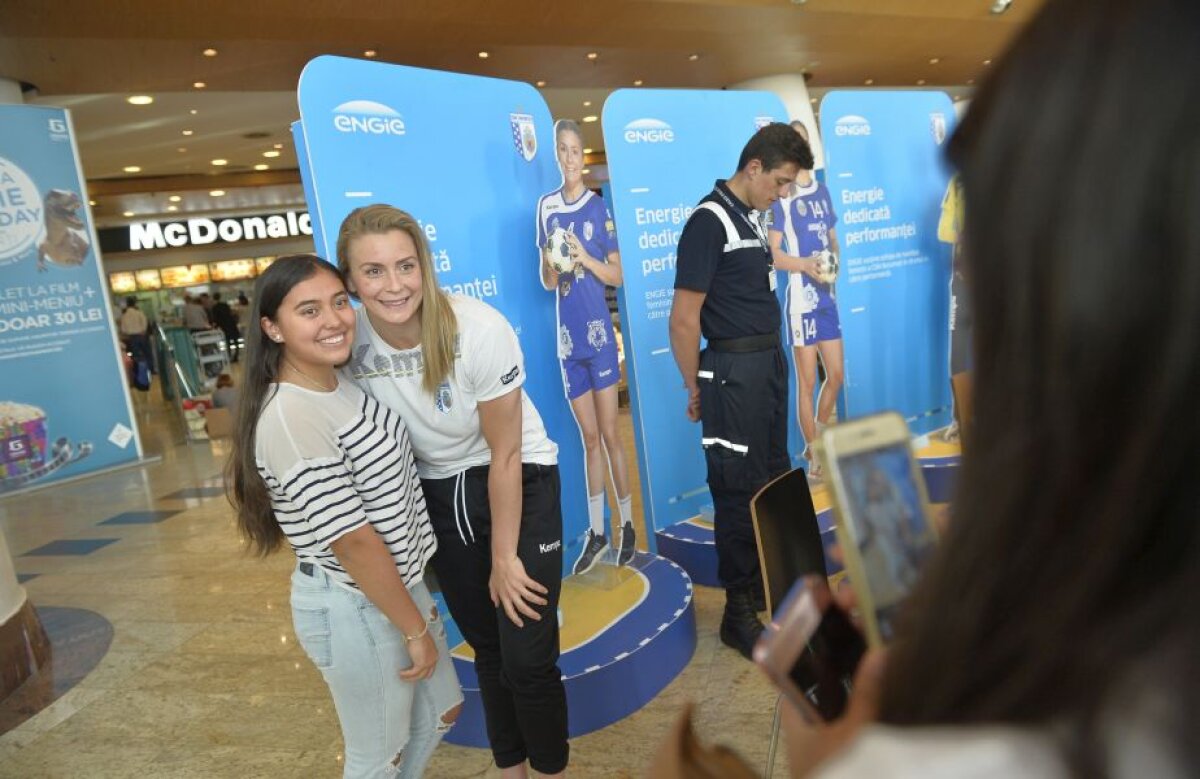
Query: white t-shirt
[(335, 461), (133, 322), (446, 435)]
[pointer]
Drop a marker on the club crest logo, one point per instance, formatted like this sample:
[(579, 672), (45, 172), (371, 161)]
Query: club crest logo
[(587, 231), (597, 335), (444, 399), (565, 344), (524, 135)]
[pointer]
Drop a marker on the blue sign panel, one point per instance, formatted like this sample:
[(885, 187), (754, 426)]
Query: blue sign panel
[(467, 156), (666, 149), (885, 173), (64, 401)]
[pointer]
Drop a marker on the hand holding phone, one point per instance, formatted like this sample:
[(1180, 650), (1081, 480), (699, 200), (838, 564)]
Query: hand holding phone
[(883, 526), (811, 650)]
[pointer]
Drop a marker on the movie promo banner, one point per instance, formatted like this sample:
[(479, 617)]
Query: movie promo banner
[(666, 149), (468, 156), (887, 179), (64, 401)]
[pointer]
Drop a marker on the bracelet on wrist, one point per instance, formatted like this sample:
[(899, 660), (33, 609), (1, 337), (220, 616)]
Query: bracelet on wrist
[(420, 635)]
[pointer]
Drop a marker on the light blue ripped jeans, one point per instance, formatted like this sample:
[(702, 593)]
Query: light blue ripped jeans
[(390, 727)]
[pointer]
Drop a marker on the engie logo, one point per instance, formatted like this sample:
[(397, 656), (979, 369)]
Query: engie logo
[(365, 116), (648, 131), (852, 125)]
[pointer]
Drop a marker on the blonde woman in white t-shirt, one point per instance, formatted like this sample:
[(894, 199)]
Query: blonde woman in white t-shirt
[(452, 367), (318, 463)]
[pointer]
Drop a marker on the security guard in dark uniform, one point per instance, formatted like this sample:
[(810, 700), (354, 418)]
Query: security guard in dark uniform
[(737, 387)]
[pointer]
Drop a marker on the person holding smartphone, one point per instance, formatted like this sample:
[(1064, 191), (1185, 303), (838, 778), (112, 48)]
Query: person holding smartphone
[(322, 466), (451, 366), (1055, 630)]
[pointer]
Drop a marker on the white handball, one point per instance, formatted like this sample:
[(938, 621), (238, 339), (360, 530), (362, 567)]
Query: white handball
[(827, 267), (560, 251)]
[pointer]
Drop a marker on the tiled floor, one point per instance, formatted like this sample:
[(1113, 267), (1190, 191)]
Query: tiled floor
[(203, 677)]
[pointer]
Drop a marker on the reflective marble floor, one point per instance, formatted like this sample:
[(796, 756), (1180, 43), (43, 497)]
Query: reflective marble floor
[(199, 674)]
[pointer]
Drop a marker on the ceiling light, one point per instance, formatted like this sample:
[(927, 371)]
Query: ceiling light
[(182, 149), (186, 132), (217, 193), (637, 82), (271, 153), (934, 60), (812, 100), (278, 145), (593, 55), (587, 151), (693, 57), (210, 52), (869, 81), (370, 53), (1000, 6), (970, 81), (587, 103), (987, 62), (91, 202), (586, 171), (128, 213), (139, 100), (220, 162), (483, 55), (132, 169), (193, 112), (920, 82), (262, 166), (541, 83), (590, 118), (175, 198), (199, 84), (172, 208)]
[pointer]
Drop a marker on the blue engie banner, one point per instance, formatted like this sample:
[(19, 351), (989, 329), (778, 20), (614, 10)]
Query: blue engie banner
[(64, 401), (886, 176), (666, 148), (467, 156)]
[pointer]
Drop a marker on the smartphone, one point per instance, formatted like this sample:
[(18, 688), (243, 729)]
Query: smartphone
[(811, 650), (882, 511)]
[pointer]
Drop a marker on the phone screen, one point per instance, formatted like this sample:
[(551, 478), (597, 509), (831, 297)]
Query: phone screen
[(887, 519), (823, 672)]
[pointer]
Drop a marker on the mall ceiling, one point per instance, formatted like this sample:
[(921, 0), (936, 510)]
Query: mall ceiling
[(235, 102)]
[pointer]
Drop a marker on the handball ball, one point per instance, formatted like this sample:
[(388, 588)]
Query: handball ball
[(560, 251), (828, 268)]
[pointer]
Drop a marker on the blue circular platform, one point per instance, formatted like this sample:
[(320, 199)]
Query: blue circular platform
[(692, 545), (626, 633)]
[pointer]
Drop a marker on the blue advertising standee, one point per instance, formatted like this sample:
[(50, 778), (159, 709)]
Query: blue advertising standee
[(64, 401), (666, 148), (467, 156), (887, 177)]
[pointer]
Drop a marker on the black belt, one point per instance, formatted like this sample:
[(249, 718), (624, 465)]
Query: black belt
[(748, 343)]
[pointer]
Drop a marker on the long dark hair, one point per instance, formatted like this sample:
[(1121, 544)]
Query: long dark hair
[(243, 484), (1069, 576)]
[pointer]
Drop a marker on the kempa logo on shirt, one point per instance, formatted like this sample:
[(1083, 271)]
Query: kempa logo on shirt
[(544, 548), (648, 131), (366, 116), (509, 377), (852, 124)]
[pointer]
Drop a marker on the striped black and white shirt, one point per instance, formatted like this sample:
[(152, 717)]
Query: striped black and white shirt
[(335, 461)]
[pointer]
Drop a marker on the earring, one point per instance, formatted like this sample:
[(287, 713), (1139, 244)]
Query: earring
[(277, 337)]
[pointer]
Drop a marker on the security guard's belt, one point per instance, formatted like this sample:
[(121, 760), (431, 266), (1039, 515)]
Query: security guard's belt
[(748, 343)]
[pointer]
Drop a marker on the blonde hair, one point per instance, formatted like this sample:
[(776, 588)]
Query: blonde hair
[(439, 326)]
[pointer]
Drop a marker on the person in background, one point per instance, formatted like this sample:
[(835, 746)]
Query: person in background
[(225, 395), (1056, 630), (223, 318), (323, 467), (738, 386), (133, 327), (195, 318), (587, 343), (452, 367)]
